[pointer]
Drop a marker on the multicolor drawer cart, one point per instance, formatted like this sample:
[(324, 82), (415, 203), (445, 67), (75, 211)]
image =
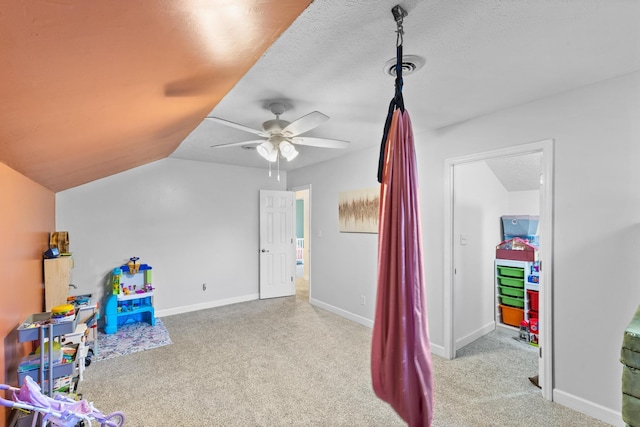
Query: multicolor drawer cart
[(630, 358), (517, 287)]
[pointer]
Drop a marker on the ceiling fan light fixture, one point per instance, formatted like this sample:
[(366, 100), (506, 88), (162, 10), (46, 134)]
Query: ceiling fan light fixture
[(288, 151), (292, 155), (273, 156), (286, 148), (266, 150)]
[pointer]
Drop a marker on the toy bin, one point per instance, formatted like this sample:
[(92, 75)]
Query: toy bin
[(520, 225), (533, 299), (512, 301), (513, 292), (512, 316), (510, 281), (510, 271)]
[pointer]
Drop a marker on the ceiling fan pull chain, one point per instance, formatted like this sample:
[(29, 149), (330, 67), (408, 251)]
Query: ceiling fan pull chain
[(397, 101)]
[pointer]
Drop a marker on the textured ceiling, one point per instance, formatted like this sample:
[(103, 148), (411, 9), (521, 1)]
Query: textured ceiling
[(481, 56), (518, 173), (93, 88)]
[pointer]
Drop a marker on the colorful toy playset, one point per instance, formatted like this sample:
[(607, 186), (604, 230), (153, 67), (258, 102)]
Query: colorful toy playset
[(132, 296)]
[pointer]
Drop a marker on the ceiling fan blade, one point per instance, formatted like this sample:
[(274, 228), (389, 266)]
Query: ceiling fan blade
[(237, 144), (305, 123), (237, 126), (320, 142)]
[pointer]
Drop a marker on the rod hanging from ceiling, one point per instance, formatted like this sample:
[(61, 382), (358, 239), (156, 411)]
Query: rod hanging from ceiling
[(397, 102)]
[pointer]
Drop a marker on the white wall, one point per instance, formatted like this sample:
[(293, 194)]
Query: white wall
[(192, 222), (343, 265), (480, 200), (597, 226), (196, 222), (597, 208), (523, 203)]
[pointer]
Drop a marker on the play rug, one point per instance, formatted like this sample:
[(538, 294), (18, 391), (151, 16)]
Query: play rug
[(132, 338)]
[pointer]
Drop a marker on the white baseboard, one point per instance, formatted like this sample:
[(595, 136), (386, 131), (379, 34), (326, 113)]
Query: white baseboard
[(435, 349), (205, 305), (438, 350), (589, 408), (475, 335), (340, 312)]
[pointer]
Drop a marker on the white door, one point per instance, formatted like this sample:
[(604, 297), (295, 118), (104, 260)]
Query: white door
[(277, 244)]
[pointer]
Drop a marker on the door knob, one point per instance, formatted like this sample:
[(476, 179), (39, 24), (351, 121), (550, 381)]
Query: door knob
[(265, 250)]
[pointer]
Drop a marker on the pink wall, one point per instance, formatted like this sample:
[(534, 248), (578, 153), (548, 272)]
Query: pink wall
[(26, 219)]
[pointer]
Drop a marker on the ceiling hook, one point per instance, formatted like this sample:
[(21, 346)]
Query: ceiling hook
[(398, 14)]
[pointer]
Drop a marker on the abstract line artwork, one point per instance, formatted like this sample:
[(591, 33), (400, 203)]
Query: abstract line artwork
[(358, 210)]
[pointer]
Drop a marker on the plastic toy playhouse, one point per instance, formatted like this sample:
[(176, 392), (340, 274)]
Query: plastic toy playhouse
[(131, 299)]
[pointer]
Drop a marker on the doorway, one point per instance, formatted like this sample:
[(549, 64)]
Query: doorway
[(303, 241), (455, 239)]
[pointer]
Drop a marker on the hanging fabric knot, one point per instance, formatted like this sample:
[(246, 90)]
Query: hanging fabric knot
[(396, 103), (399, 100)]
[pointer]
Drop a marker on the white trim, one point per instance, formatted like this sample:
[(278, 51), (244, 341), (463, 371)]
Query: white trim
[(546, 254), (588, 408), (435, 349), (308, 238), (449, 345), (205, 305), (438, 350), (340, 312), (546, 262), (475, 335)]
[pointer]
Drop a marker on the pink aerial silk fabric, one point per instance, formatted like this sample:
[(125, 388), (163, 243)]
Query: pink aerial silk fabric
[(401, 353)]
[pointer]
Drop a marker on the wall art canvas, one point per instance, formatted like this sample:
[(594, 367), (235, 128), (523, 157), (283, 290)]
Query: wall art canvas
[(358, 210)]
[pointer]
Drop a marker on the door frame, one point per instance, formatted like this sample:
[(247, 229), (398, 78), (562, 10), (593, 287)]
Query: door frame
[(545, 354), (308, 242)]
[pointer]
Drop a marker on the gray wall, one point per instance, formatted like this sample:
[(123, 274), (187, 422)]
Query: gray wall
[(480, 199), (196, 222), (193, 222), (597, 226)]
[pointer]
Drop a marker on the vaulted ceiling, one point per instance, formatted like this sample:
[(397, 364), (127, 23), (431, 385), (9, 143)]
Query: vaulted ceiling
[(93, 88)]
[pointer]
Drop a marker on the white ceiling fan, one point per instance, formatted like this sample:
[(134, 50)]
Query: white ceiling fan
[(281, 135)]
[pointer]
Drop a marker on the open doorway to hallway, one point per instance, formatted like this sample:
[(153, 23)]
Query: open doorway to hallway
[(457, 271), (303, 241)]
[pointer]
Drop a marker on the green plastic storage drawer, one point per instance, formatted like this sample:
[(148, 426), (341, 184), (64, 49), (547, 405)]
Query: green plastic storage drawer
[(512, 301), (510, 281), (510, 271), (513, 292)]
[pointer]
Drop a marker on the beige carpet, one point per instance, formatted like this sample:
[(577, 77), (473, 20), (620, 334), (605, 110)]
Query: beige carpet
[(283, 362)]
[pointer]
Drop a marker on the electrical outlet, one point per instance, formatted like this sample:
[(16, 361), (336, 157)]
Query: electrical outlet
[(363, 300), (204, 286)]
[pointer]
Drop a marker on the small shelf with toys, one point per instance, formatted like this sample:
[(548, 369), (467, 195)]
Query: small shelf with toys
[(46, 329), (132, 296)]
